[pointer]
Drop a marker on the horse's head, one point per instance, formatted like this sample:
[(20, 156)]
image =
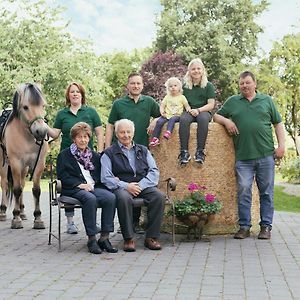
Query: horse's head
[(29, 106)]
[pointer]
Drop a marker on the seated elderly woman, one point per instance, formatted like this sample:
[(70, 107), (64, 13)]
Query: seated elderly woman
[(78, 168)]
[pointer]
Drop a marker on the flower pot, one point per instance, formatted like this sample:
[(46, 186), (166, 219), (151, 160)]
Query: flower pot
[(194, 221)]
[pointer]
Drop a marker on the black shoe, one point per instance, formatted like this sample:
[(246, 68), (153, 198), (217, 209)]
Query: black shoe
[(199, 156), (93, 247), (106, 245), (184, 157)]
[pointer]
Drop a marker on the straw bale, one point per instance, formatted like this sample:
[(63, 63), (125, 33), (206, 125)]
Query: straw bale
[(217, 174)]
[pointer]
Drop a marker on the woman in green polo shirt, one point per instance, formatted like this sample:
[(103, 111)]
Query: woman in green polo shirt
[(75, 111), (200, 94)]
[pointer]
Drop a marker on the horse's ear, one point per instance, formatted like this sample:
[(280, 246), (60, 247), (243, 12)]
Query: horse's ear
[(16, 103)]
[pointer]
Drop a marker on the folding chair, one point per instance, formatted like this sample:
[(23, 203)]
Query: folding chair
[(61, 202)]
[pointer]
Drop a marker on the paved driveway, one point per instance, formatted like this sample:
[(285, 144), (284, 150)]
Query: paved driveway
[(223, 268)]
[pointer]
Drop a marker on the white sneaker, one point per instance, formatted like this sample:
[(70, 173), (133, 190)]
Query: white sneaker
[(71, 228)]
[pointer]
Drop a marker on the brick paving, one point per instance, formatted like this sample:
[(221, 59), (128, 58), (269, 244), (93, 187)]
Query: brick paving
[(222, 268)]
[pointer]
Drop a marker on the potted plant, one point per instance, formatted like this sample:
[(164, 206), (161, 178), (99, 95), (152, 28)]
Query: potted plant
[(194, 209)]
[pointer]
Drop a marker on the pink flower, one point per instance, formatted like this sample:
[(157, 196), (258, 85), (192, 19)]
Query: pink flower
[(193, 187), (210, 198)]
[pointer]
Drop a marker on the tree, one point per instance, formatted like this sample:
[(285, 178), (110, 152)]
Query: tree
[(223, 33), (158, 69), (284, 81)]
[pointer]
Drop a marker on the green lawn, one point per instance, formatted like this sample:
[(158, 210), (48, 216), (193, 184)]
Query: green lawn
[(44, 185), (285, 202)]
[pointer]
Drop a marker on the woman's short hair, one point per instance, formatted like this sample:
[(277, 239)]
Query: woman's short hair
[(169, 81), (124, 122), (81, 90), (80, 127), (187, 79)]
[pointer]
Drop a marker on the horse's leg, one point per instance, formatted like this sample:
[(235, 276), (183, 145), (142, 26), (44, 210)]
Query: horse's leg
[(16, 222), (4, 199), (36, 191), (22, 206)]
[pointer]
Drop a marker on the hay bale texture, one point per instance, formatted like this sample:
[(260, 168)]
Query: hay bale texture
[(217, 174)]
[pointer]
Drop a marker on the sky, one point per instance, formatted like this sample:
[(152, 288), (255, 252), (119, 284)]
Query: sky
[(129, 24)]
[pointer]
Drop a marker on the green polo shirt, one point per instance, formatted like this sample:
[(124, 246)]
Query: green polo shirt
[(254, 121), (65, 120), (198, 96), (139, 113)]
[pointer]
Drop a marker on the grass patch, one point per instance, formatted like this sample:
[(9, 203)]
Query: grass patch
[(44, 185), (285, 202)]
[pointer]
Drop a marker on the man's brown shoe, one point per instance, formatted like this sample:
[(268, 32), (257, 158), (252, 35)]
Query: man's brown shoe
[(152, 244), (242, 234), (265, 233), (129, 245)]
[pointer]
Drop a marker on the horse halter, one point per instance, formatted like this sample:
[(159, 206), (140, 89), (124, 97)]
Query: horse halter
[(29, 123)]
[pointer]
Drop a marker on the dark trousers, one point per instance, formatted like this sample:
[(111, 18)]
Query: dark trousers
[(160, 123), (186, 119), (90, 201), (154, 199)]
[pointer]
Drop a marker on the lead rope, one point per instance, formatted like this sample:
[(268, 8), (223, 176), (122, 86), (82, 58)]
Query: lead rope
[(37, 158)]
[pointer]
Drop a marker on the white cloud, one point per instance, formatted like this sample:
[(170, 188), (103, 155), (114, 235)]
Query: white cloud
[(280, 19)]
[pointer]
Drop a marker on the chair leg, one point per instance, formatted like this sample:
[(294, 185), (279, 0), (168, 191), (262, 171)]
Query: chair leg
[(59, 228), (50, 216)]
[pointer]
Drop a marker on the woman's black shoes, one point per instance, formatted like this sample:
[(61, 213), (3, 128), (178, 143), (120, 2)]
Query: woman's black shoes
[(184, 157), (106, 245), (93, 247)]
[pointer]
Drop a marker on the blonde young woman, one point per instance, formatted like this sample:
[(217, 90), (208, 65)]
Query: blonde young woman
[(200, 94)]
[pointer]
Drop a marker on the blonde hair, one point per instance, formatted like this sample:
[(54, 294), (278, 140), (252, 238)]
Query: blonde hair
[(172, 79), (187, 79)]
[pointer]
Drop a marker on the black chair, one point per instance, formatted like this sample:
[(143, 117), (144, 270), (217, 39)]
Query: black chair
[(62, 202)]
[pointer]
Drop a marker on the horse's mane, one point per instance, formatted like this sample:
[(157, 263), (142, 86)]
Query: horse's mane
[(30, 93)]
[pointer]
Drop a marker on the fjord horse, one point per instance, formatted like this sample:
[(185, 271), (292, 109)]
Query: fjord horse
[(23, 149)]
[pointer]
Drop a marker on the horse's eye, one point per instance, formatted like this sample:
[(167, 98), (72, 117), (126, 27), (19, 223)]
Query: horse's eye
[(25, 107)]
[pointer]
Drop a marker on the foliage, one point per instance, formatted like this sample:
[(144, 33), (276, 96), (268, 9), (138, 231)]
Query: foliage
[(285, 202), (223, 33), (290, 169), (197, 201), (158, 69), (283, 69)]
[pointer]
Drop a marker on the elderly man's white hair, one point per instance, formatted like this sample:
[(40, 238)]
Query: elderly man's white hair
[(124, 122)]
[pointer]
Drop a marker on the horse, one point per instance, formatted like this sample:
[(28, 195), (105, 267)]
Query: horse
[(23, 149)]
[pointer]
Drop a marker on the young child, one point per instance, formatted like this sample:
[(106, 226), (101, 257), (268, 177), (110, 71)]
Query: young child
[(171, 108)]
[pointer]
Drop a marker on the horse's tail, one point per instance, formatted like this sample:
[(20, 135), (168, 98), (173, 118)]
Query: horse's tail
[(10, 184)]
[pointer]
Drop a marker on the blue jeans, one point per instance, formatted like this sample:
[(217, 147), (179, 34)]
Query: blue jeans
[(90, 201), (160, 123), (263, 170)]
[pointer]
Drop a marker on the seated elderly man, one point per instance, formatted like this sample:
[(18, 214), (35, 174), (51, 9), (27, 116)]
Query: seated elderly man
[(129, 170)]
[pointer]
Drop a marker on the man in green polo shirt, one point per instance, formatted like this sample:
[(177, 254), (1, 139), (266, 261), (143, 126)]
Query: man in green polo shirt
[(135, 107), (139, 109), (249, 117)]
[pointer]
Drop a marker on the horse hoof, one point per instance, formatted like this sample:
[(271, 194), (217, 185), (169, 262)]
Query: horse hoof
[(2, 217), (39, 225), (16, 224), (23, 216)]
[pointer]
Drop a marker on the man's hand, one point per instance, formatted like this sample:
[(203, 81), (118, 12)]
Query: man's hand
[(134, 189), (151, 126), (279, 152), (194, 112), (231, 127), (85, 186)]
